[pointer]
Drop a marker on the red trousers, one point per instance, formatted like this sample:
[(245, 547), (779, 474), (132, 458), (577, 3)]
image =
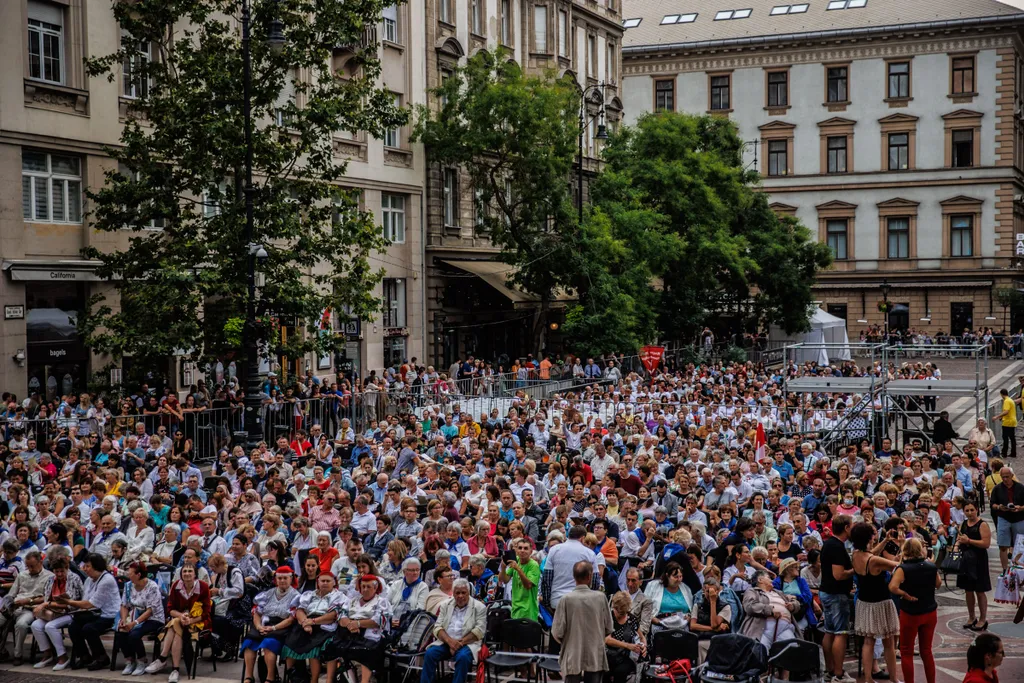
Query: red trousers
[(921, 627)]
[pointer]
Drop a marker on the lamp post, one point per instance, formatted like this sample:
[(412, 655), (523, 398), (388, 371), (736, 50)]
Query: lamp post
[(255, 252), (601, 134), (885, 304)]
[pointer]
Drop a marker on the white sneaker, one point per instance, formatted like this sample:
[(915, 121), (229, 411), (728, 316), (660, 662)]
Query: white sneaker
[(140, 669), (128, 669), (60, 666), (46, 662), (173, 678), (156, 666), (845, 678)]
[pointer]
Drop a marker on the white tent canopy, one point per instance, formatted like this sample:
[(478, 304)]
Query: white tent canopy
[(825, 342)]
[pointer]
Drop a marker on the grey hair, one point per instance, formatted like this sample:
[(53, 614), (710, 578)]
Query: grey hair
[(173, 527), (478, 560), (482, 525), (42, 499), (757, 576), (442, 554), (461, 583), (454, 525), (411, 562), (58, 551), (475, 478), (120, 542), (33, 554)]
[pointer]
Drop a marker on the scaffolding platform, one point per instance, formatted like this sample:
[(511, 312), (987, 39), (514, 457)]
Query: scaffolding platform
[(926, 387)]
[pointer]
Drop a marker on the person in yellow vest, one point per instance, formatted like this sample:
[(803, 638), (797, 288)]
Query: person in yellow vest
[(1009, 422)]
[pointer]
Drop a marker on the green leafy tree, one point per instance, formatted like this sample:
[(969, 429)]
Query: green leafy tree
[(515, 137), (180, 168), (734, 253)]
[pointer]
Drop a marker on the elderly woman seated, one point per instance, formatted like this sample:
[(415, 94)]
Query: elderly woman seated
[(168, 550), (316, 621), (271, 618), (792, 584), (360, 640), (442, 559), (711, 615), (769, 612), (408, 593), (672, 599)]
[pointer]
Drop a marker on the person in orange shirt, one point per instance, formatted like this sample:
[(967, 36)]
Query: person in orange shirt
[(545, 368), (605, 544)]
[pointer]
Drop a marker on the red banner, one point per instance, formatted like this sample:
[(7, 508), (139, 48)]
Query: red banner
[(651, 356)]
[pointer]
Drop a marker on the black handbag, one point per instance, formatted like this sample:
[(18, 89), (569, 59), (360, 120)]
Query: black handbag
[(951, 562)]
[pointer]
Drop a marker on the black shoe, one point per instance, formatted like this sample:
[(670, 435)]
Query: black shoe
[(970, 626), (99, 664), (882, 675), (978, 628), (81, 662)]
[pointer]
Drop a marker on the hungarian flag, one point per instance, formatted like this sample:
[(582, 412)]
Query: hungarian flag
[(325, 319), (760, 442)]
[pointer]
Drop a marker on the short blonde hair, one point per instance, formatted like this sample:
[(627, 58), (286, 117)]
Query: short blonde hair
[(621, 602), (913, 549)]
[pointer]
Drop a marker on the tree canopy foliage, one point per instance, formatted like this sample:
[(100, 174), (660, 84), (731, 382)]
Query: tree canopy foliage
[(176, 190)]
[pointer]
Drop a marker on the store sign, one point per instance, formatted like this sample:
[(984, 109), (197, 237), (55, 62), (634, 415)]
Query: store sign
[(44, 275), (49, 353), (14, 312), (396, 332), (352, 328), (1020, 244)]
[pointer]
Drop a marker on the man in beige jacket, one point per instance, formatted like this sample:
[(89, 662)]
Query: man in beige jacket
[(460, 631), (583, 658)]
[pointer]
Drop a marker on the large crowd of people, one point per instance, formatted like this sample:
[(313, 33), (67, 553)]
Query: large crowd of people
[(697, 499)]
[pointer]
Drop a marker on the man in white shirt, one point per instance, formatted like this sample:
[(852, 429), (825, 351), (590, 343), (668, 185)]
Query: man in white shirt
[(363, 521), (212, 543), (557, 579), (108, 534), (601, 461)]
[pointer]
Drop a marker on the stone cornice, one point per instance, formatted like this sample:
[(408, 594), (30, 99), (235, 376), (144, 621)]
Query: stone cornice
[(784, 55)]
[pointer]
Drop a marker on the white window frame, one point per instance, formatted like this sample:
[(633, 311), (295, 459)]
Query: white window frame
[(71, 196), (445, 11), (42, 30), (961, 236), (154, 223), (392, 211), (210, 207), (396, 287), (540, 28), (505, 8), (450, 206), (393, 136), (133, 86), (632, 22), (563, 33), (476, 17), (389, 18)]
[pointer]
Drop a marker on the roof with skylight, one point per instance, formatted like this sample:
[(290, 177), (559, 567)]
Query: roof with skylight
[(704, 23)]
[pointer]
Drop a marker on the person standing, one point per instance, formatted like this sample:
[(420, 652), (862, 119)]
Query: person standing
[(876, 616), (524, 573), (914, 583), (1007, 503), (973, 576), (836, 585), (583, 658), (1009, 423)]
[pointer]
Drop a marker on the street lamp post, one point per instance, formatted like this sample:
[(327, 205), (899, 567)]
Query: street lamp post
[(602, 134), (254, 252), (885, 304)]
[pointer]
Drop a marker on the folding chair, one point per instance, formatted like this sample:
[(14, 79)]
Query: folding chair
[(666, 646), (801, 659), (411, 645), (524, 635)]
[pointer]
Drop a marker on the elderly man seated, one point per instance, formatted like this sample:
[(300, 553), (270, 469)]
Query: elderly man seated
[(25, 594), (460, 629)]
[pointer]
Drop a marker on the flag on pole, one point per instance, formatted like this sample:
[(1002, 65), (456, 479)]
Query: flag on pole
[(760, 442), (325, 319)]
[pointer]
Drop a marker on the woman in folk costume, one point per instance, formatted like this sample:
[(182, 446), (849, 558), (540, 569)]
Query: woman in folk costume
[(316, 620), (190, 612)]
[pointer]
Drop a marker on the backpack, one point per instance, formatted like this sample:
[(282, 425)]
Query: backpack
[(735, 655)]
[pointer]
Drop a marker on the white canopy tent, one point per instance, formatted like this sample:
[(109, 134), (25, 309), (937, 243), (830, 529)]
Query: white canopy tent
[(825, 342)]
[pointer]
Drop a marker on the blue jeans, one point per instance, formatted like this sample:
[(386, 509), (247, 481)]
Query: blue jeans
[(131, 642), (441, 653)]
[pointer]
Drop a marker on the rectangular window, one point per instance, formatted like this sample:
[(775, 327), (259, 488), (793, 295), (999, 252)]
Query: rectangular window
[(393, 136), (609, 61), (665, 95), (592, 55), (563, 33), (838, 77), (445, 13), (212, 199), (963, 75), (719, 92), (898, 237), (899, 151), (836, 236), (134, 81), (899, 80), (51, 187), (963, 148), (45, 41), (961, 235), (540, 28), (506, 22), (393, 217), (836, 154), (152, 223), (481, 210), (477, 17), (390, 18), (778, 89), (394, 302), (451, 197), (838, 310), (778, 157)]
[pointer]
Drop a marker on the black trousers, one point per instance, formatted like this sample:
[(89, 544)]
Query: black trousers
[(1009, 442), (86, 630)]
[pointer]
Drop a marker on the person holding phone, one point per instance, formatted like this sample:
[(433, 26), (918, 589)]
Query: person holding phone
[(1007, 503), (524, 573)]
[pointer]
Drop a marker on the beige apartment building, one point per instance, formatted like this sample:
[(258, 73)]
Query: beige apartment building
[(54, 123), (470, 308), (893, 130)]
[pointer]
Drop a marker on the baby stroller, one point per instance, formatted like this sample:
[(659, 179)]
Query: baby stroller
[(733, 658)]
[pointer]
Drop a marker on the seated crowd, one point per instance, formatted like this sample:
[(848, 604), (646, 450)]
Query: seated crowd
[(302, 552)]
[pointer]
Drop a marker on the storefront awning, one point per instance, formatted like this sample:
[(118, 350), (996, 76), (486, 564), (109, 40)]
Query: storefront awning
[(33, 270), (497, 274)]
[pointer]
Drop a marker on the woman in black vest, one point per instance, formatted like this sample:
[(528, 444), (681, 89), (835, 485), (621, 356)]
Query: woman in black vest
[(914, 583)]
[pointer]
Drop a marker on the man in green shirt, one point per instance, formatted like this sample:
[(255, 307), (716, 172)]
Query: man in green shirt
[(524, 572)]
